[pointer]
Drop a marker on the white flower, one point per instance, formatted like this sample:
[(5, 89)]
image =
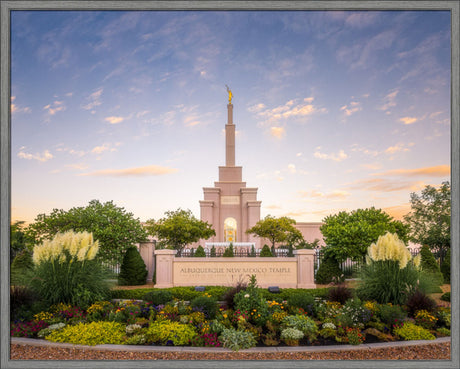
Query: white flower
[(247, 295)]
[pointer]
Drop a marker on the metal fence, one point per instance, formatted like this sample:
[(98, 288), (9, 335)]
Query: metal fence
[(351, 267), (239, 252)]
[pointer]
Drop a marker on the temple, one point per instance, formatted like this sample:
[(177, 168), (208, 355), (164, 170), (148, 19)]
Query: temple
[(230, 206)]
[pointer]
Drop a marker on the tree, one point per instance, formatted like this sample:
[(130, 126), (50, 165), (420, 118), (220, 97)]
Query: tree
[(178, 229), (429, 219), (132, 271), (348, 235), (114, 228), (275, 229), (19, 241)]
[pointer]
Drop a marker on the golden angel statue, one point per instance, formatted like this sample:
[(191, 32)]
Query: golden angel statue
[(230, 95)]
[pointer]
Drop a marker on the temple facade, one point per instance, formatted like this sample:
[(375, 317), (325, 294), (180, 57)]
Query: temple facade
[(230, 206)]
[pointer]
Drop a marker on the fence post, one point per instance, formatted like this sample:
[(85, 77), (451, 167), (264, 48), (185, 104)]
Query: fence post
[(164, 268)]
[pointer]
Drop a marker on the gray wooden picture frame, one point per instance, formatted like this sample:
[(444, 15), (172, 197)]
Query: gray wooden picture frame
[(5, 170)]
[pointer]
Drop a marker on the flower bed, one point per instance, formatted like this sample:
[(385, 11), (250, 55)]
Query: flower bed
[(253, 321)]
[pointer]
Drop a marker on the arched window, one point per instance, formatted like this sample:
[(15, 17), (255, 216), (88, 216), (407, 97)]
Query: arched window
[(230, 229)]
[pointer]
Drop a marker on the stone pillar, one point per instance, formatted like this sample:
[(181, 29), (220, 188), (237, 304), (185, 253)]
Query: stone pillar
[(305, 268), (147, 249), (164, 268)]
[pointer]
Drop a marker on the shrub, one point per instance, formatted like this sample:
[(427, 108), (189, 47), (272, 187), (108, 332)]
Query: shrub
[(303, 300), (230, 294), (291, 336), (446, 297), (21, 268), (199, 253), (419, 301), (134, 294), (424, 319), (132, 271), (21, 300), (265, 252), (442, 332), (328, 270), (444, 316), (445, 267), (95, 333), (47, 331), (354, 313), (340, 294), (428, 262), (213, 252), (385, 282), (410, 331), (165, 332), (250, 302), (303, 323), (354, 336), (228, 253), (158, 297), (252, 254), (65, 270), (206, 340), (237, 339), (27, 329), (391, 314), (205, 304)]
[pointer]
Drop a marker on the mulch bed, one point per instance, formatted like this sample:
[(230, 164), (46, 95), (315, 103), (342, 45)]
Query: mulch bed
[(439, 351)]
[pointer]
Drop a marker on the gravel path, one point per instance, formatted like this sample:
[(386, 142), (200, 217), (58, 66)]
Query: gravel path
[(435, 351)]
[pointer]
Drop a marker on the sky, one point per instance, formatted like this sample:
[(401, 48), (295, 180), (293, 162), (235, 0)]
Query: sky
[(334, 110)]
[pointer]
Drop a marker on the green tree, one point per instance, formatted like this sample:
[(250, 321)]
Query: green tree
[(266, 252), (348, 235), (429, 219), (19, 240), (200, 253), (114, 228), (132, 271), (178, 229), (276, 229)]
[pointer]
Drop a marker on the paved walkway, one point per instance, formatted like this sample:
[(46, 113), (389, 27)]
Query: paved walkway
[(139, 348)]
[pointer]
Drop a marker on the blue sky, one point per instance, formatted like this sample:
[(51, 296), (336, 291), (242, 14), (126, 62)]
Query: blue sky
[(333, 110)]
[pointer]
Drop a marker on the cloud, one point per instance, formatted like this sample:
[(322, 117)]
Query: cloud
[(104, 147), (340, 156), (150, 170), (352, 108), (436, 171), (336, 194), (278, 132), (16, 109), (408, 120), (292, 109), (55, 107), (292, 168), (389, 100), (397, 148), (386, 185), (94, 99), (114, 120), (45, 156)]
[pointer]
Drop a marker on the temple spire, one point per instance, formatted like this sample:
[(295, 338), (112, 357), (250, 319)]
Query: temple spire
[(230, 134)]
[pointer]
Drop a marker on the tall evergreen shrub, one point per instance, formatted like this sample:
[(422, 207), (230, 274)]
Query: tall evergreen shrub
[(132, 271), (213, 252), (199, 253), (328, 270), (428, 261), (445, 267), (265, 252), (228, 253)]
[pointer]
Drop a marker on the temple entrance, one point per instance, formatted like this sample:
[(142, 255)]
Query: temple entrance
[(230, 230)]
